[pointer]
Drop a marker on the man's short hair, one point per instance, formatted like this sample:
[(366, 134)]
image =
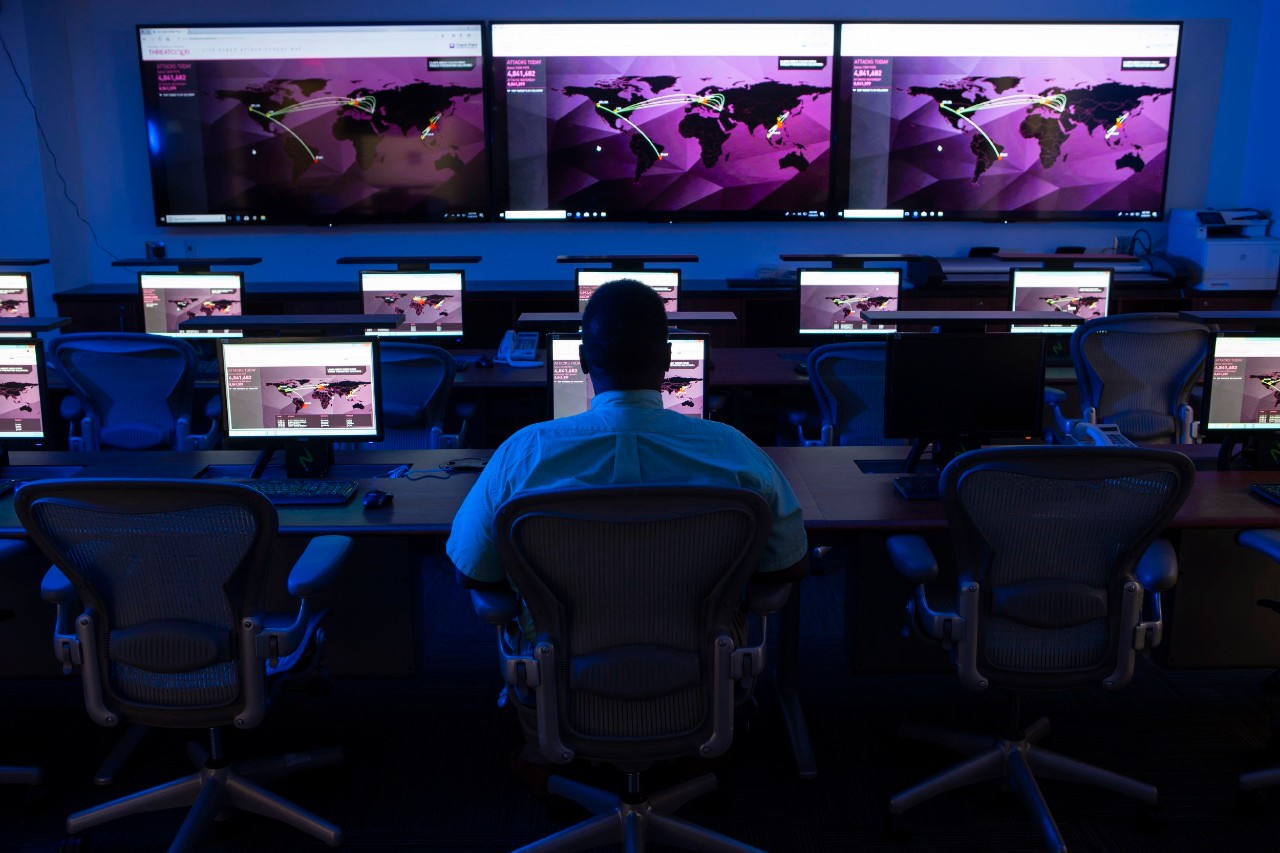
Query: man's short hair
[(624, 327)]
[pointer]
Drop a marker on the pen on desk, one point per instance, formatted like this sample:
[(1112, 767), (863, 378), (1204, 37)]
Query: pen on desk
[(399, 471)]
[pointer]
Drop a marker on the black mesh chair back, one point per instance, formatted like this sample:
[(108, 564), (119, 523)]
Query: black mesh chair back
[(848, 383), (636, 588), (1052, 537), (1137, 371), (416, 382), (136, 388), (168, 570)]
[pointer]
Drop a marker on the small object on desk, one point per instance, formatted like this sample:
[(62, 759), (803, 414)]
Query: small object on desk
[(7, 485), (1270, 491), (376, 499), (484, 361), (461, 364), (917, 488), (802, 368), (304, 491), (473, 463)]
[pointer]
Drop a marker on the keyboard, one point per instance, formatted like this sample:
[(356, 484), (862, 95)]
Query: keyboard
[(304, 491), (918, 488), (1270, 491)]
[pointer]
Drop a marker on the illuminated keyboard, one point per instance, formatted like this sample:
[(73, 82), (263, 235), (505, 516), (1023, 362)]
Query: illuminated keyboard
[(921, 487), (1270, 491), (304, 491)]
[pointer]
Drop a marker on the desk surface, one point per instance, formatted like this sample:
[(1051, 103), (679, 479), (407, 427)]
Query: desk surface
[(833, 491)]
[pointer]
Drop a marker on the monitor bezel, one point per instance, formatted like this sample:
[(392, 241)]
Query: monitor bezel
[(193, 335), (840, 168), (434, 338), (943, 425), (20, 441), (261, 438), (671, 336), (837, 335), (1056, 330), (616, 275), (156, 165), (501, 182)]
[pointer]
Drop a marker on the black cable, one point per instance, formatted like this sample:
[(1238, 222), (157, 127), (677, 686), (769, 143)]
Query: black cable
[(66, 190), (1133, 247)]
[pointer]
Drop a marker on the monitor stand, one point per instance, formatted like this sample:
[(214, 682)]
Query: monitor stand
[(1259, 450), (302, 457), (945, 449)]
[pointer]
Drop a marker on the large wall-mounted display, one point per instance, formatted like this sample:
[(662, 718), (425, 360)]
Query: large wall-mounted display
[(1005, 121), (663, 121), (268, 125)]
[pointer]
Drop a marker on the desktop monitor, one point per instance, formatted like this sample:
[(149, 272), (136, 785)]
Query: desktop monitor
[(1081, 292), (666, 283), (999, 121), (315, 124), (286, 388), (662, 120), (1243, 385), (21, 392), (430, 301), (954, 385), (684, 389), (832, 301), (15, 299), (169, 298)]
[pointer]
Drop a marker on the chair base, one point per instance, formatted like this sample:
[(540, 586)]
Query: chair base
[(216, 786), (1259, 779), (21, 776), (635, 821), (1017, 762)]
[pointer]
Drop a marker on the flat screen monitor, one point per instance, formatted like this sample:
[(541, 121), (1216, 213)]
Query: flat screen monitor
[(315, 124), (950, 385), (666, 283), (832, 301), (21, 391), (662, 121), (169, 298), (15, 299), (298, 388), (430, 301), (1005, 121), (684, 388), (1243, 391), (1080, 292)]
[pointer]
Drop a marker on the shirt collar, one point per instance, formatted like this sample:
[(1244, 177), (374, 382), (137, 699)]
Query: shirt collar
[(643, 398)]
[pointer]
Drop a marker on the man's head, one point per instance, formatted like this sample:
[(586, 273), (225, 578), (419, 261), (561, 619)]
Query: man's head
[(624, 337)]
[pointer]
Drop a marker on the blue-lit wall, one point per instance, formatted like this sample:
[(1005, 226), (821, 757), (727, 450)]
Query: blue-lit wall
[(80, 61)]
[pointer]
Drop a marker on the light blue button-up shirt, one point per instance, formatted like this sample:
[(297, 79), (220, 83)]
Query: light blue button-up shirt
[(627, 438)]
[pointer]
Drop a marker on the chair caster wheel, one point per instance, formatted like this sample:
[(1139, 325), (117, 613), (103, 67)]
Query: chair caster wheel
[(898, 829), (73, 844)]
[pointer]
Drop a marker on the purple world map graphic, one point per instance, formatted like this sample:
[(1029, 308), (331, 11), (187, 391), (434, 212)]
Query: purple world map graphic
[(686, 133), (1015, 134)]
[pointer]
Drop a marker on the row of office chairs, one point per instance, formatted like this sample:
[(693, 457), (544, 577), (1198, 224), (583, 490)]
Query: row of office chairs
[(1136, 371), (133, 391), (640, 664)]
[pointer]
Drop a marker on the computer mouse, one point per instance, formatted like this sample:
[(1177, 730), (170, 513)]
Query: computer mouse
[(376, 498), (484, 361)]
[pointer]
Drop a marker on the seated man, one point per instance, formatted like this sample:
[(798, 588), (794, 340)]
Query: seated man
[(626, 438)]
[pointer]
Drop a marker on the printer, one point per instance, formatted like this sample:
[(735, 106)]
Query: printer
[(1226, 249)]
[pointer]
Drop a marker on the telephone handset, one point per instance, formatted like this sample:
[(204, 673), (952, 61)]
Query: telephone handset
[(1103, 435), (518, 349)]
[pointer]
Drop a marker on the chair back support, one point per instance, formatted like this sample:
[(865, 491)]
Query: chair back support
[(1051, 537), (848, 382), (1137, 371), (636, 588), (138, 388), (167, 571), (416, 382)]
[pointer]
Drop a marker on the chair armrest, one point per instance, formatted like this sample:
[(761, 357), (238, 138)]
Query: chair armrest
[(1054, 396), (1158, 567), (315, 570), (912, 558), (765, 597), (56, 588), (497, 607), (1264, 541)]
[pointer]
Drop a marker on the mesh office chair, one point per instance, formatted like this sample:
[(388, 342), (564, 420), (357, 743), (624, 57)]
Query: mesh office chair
[(162, 610), (132, 391), (633, 593), (848, 383), (1060, 572), (1136, 371), (416, 382), (1267, 542)]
